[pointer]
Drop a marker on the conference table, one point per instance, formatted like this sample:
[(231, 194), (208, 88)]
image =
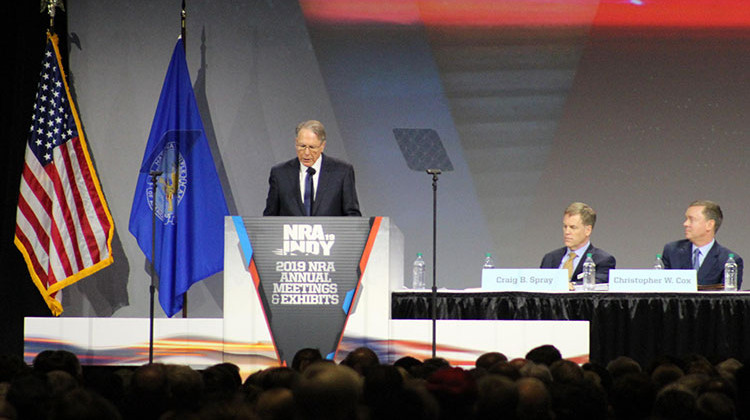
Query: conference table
[(644, 326)]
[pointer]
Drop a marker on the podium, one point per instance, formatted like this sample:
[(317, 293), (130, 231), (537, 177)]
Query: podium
[(319, 282)]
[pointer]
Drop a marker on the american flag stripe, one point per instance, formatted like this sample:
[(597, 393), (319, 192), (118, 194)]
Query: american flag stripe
[(63, 226), (28, 227), (90, 206), (70, 208)]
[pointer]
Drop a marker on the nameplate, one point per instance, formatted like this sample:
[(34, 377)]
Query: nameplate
[(525, 279), (653, 281)]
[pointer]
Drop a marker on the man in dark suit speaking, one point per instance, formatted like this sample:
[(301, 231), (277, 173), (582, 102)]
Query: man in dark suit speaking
[(699, 250), (578, 223), (312, 184)]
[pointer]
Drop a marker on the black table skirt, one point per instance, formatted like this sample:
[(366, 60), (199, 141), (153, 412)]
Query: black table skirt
[(643, 326)]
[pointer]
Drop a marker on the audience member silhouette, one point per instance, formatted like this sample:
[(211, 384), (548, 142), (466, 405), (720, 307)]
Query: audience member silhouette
[(304, 357), (534, 400), (361, 360), (487, 360), (328, 391), (545, 354)]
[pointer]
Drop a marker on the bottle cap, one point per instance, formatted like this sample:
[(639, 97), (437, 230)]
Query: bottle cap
[(488, 255), (658, 255), (731, 255), (419, 254), (588, 254)]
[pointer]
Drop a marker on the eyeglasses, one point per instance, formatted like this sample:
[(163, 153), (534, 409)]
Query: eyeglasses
[(303, 147)]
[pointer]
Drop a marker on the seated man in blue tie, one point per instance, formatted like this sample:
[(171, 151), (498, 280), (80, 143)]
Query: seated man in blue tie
[(312, 184), (699, 250), (578, 223)]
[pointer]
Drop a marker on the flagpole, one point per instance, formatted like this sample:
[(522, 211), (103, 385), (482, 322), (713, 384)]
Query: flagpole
[(183, 33), (152, 288)]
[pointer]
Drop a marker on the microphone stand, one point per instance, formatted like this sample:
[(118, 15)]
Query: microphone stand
[(434, 173), (152, 288)]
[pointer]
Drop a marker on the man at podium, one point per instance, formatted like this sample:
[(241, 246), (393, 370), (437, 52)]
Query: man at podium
[(312, 184), (578, 223)]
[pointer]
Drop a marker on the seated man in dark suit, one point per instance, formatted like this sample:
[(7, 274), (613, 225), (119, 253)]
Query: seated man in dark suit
[(578, 223), (312, 184), (699, 250)]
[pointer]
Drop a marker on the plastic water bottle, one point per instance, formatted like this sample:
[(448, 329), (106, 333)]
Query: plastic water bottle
[(730, 274), (488, 261), (658, 263), (417, 274), (589, 273)]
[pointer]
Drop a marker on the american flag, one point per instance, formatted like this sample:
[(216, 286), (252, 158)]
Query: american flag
[(63, 225)]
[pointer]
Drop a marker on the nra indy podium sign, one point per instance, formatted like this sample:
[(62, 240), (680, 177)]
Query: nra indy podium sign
[(307, 273)]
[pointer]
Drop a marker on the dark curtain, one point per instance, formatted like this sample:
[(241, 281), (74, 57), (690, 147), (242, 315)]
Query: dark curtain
[(22, 46), (644, 326)]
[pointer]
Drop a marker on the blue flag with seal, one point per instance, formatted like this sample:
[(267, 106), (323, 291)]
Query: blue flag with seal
[(187, 199)]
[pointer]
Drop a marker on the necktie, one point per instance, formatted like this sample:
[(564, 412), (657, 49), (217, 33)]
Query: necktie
[(696, 259), (309, 190), (569, 264)]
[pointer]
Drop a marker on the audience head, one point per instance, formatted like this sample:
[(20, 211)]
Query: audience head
[(632, 396), (185, 388), (409, 364), (665, 374), (565, 371), (328, 391), (534, 400), (487, 360), (430, 366), (538, 371), (497, 397), (361, 360), (10, 366), (518, 362), (304, 357), (30, 396), (505, 369), (674, 403), (605, 378), (60, 383), (81, 404), (546, 354), (729, 367), (149, 392), (715, 406), (221, 381), (455, 391), (50, 360), (578, 400), (622, 366), (276, 404)]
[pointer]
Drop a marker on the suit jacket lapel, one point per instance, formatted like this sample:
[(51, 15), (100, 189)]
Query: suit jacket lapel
[(294, 169), (320, 191), (709, 262), (559, 257), (579, 267), (685, 255)]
